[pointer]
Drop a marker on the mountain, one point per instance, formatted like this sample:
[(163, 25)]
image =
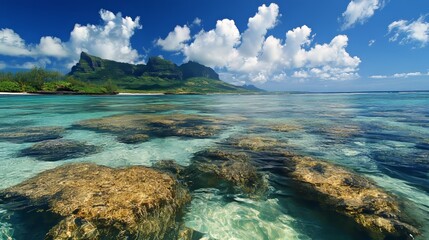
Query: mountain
[(193, 69), (252, 87), (158, 75)]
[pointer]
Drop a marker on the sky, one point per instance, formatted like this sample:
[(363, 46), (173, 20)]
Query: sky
[(288, 45)]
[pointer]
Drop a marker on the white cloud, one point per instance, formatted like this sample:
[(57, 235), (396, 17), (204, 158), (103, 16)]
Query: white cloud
[(175, 39), (359, 11), (257, 27), (11, 44), (52, 46), (410, 32), (371, 42), (378, 76), (27, 65), (110, 40), (254, 56), (197, 21), (215, 47), (400, 75), (300, 74)]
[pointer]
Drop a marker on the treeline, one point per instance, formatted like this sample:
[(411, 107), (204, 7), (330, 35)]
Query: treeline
[(39, 80)]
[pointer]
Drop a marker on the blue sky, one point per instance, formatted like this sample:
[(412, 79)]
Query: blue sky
[(305, 45)]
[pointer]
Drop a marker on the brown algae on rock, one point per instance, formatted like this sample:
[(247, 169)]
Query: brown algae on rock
[(133, 138), (352, 195), (341, 131), (257, 143), (30, 134), (99, 202), (283, 127), (58, 149), (232, 167), (158, 125)]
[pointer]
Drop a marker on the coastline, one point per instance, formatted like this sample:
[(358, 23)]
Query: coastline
[(139, 94), (17, 93)]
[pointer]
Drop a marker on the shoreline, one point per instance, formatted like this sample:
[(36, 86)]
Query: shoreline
[(139, 94), (17, 93)]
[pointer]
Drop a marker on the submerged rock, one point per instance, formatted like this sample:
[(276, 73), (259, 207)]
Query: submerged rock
[(98, 202), (351, 195), (257, 143), (30, 134), (60, 149), (133, 138), (285, 127), (170, 166), (156, 125), (214, 166), (341, 131)]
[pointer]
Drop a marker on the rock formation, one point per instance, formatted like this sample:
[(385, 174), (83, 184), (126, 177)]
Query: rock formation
[(98, 202)]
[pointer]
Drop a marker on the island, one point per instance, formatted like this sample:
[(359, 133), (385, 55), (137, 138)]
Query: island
[(94, 75)]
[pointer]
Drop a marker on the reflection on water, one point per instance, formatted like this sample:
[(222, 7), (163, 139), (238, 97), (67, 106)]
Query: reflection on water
[(382, 136)]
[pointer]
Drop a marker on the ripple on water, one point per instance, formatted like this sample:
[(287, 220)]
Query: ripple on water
[(417, 204), (222, 218), (6, 230)]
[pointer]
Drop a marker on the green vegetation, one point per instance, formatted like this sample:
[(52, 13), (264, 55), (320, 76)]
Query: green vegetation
[(93, 75), (38, 80), (158, 75)]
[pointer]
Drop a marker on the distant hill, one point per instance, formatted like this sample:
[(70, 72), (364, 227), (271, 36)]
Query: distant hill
[(158, 75), (252, 88)]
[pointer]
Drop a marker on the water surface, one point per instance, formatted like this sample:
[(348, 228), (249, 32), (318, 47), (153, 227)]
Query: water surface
[(390, 146)]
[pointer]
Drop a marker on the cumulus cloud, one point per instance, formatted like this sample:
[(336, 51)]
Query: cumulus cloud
[(254, 56), (216, 46), (257, 27), (11, 44), (52, 46), (371, 42), (359, 11), (110, 40), (410, 32), (175, 39), (400, 75)]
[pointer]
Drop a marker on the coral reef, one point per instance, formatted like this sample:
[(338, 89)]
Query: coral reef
[(58, 149), (30, 134), (97, 201), (154, 125), (351, 195), (234, 168), (257, 143)]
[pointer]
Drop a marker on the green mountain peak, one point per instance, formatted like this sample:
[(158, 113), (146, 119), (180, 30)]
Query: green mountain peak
[(158, 75)]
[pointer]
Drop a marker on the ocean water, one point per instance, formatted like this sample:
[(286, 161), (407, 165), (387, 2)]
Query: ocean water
[(386, 139)]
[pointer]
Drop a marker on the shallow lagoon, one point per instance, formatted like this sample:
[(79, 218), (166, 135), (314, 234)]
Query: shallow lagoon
[(387, 140)]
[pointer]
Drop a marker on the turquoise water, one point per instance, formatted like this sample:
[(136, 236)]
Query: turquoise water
[(391, 147)]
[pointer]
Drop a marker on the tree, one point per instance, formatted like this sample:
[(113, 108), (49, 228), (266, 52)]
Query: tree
[(110, 87)]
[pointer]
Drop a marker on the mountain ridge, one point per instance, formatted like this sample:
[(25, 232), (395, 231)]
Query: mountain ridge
[(157, 75)]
